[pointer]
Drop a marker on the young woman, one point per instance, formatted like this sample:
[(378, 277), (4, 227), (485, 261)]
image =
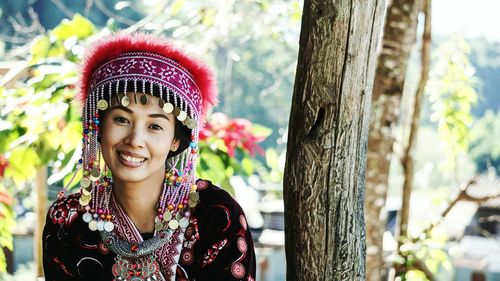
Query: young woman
[(141, 214)]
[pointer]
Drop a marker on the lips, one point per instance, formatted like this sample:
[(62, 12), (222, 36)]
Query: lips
[(131, 159)]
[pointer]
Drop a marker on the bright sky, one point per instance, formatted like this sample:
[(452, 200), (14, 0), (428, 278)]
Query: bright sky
[(473, 18)]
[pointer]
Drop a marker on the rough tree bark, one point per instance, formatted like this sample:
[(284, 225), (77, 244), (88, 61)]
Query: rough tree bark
[(328, 130), (398, 39)]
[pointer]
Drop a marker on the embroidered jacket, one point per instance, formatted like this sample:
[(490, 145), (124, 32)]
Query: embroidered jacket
[(217, 243)]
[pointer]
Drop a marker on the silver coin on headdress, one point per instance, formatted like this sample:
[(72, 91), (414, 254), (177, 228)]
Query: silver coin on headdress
[(168, 107), (102, 105), (182, 115), (125, 101)]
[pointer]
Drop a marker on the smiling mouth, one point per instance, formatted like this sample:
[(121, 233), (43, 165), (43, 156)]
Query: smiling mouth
[(131, 159)]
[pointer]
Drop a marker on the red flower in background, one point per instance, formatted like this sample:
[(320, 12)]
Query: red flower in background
[(4, 163), (5, 197), (235, 133)]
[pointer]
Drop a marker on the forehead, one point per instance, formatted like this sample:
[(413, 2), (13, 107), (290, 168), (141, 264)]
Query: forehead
[(139, 103)]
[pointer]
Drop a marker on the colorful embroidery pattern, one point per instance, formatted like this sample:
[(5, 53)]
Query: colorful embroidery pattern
[(216, 245), (212, 253), (64, 212)]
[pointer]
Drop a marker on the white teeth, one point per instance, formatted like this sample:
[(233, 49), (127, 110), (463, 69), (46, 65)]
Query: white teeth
[(132, 159)]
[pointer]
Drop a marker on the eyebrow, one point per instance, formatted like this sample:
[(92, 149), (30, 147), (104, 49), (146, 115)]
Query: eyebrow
[(128, 110), (158, 115)]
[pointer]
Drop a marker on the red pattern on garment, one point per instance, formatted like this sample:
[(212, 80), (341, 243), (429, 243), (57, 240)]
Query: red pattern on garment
[(238, 270), (103, 248), (228, 216), (191, 235), (201, 185), (84, 245), (187, 257), (242, 245), (166, 254), (211, 260), (62, 266), (212, 253), (243, 222), (65, 211)]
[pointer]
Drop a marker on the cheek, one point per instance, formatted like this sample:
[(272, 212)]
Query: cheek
[(161, 146), (109, 134)]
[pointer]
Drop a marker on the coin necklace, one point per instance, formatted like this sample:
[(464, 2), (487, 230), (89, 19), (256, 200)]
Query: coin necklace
[(138, 261)]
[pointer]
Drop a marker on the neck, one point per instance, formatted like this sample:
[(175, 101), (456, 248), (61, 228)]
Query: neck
[(139, 200)]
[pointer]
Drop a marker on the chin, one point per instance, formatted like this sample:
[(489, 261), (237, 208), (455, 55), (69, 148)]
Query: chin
[(127, 176)]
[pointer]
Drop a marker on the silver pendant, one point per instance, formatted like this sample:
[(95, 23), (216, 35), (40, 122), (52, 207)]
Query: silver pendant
[(109, 226), (93, 225), (184, 222), (138, 269), (87, 217)]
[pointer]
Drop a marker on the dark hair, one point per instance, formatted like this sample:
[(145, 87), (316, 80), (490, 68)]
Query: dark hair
[(183, 134)]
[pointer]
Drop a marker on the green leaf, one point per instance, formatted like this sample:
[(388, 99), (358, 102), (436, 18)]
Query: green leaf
[(211, 167), (261, 130), (247, 165), (22, 164), (208, 17), (40, 49), (72, 136), (79, 26), (297, 14), (272, 158), (177, 6)]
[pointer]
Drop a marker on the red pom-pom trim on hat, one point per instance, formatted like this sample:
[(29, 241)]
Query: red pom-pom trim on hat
[(113, 46)]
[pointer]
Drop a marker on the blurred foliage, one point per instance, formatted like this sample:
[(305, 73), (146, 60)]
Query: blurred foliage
[(21, 21), (484, 148), (485, 57), (251, 43), (6, 223), (430, 250), (40, 121), (227, 147), (37, 112), (452, 94), (35, 115), (253, 46)]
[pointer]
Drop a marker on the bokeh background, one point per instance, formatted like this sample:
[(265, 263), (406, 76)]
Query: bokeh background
[(253, 46)]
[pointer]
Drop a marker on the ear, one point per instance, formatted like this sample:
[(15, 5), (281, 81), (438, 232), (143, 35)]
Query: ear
[(175, 145)]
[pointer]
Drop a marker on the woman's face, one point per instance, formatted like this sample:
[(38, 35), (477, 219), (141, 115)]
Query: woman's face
[(135, 140)]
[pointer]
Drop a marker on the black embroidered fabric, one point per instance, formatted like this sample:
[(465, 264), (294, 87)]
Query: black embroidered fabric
[(217, 245)]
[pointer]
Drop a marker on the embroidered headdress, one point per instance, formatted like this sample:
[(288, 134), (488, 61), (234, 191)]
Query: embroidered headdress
[(125, 68)]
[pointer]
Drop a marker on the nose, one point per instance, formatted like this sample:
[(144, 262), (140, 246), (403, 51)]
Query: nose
[(135, 137)]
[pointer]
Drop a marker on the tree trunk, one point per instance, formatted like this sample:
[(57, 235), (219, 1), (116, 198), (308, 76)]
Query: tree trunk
[(41, 212), (399, 37), (407, 160), (328, 131)]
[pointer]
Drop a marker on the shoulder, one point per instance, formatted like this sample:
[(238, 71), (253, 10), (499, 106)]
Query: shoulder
[(212, 195), (217, 207), (64, 210)]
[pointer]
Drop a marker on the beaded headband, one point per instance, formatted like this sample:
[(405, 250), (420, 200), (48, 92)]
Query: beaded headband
[(154, 74)]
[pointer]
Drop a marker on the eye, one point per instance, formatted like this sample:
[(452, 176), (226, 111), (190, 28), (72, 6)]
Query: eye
[(121, 120), (155, 127)]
